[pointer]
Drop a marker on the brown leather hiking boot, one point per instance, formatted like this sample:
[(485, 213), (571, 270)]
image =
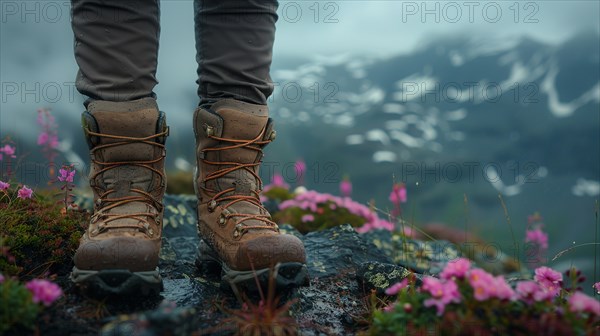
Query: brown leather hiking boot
[(118, 254), (236, 230)]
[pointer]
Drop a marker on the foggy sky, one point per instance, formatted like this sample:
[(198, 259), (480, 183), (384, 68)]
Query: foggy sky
[(38, 47)]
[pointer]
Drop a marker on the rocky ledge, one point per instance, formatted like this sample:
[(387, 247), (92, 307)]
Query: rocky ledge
[(345, 268)]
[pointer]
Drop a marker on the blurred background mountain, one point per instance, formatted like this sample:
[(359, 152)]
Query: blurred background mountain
[(502, 101)]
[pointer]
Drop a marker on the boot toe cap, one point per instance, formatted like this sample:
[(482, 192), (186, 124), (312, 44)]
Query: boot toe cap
[(268, 250), (129, 253)]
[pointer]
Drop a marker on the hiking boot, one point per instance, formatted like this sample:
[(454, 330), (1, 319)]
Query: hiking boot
[(236, 231), (119, 252)]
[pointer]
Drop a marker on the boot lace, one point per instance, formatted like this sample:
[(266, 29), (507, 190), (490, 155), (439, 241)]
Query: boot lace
[(106, 203), (227, 167)]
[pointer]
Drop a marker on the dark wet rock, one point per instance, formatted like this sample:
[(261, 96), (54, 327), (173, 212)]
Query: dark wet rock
[(344, 266), (166, 320), (425, 257), (380, 276), (339, 249)]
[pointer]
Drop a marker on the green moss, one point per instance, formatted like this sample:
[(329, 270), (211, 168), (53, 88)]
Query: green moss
[(38, 237), (180, 182), (325, 218), (279, 194)]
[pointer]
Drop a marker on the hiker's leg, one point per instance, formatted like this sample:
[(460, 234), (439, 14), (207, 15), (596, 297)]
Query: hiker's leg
[(234, 40), (116, 48), (234, 43)]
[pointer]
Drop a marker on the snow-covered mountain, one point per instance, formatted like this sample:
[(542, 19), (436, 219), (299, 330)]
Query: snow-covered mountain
[(455, 118)]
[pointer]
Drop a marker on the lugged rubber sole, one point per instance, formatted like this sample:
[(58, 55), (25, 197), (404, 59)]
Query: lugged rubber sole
[(117, 282), (284, 276)]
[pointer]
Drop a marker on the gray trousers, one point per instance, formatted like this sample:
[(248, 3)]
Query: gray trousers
[(116, 48)]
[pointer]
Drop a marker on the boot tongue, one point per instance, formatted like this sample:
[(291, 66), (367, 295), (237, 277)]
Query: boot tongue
[(137, 119), (241, 125)]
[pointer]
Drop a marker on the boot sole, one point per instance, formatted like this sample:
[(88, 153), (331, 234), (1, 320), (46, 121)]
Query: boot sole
[(284, 276), (117, 282)]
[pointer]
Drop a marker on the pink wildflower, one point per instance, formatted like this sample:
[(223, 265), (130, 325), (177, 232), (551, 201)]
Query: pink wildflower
[(24, 193), (278, 181), (8, 150), (390, 307), (42, 138), (66, 174), (537, 236), (346, 188), (300, 167), (503, 289), (581, 303), (4, 185), (482, 283), (398, 194), (307, 218), (597, 287), (53, 141), (397, 287), (530, 292), (442, 293), (409, 232), (549, 279), (456, 268), (44, 291)]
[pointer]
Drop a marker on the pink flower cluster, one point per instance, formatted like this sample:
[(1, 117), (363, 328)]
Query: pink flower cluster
[(396, 288), (67, 174), (537, 236), (530, 292), (549, 279), (44, 291), (276, 181), (311, 200), (546, 286), (24, 193), (486, 286), (46, 139), (48, 136), (346, 188), (581, 303), (300, 168), (7, 150), (442, 293), (398, 194), (456, 269), (307, 218)]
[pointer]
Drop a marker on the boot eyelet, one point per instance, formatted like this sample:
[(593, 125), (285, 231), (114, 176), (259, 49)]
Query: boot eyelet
[(212, 205), (237, 233), (210, 131), (222, 220), (272, 135)]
